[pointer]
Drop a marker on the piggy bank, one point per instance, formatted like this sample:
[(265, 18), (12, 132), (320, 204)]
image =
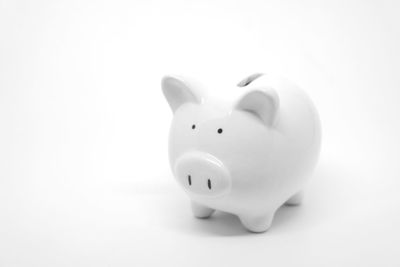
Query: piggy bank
[(246, 151)]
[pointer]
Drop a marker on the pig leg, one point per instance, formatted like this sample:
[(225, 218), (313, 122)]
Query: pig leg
[(257, 224), (201, 211), (295, 200)]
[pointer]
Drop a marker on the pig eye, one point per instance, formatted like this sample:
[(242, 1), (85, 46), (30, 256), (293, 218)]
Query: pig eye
[(194, 126), (220, 131)]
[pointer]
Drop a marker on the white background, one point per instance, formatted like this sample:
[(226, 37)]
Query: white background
[(84, 174)]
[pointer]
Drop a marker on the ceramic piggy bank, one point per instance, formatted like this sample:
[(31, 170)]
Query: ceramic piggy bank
[(246, 152)]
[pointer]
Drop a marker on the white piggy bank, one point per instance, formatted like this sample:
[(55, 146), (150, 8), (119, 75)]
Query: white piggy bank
[(247, 156)]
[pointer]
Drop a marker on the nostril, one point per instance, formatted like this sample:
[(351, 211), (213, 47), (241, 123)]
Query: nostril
[(190, 180), (209, 184)]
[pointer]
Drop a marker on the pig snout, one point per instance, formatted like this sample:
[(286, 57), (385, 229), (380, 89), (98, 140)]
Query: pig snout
[(202, 174)]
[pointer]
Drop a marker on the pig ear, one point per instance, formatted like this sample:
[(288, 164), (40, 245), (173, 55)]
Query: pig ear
[(177, 92), (263, 104)]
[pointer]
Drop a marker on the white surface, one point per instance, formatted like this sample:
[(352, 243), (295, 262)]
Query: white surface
[(84, 176)]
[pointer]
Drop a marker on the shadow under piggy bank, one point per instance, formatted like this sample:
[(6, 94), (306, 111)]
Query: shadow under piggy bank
[(226, 224), (325, 200)]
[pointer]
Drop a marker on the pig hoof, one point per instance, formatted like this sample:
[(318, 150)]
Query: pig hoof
[(257, 224), (200, 211), (295, 200)]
